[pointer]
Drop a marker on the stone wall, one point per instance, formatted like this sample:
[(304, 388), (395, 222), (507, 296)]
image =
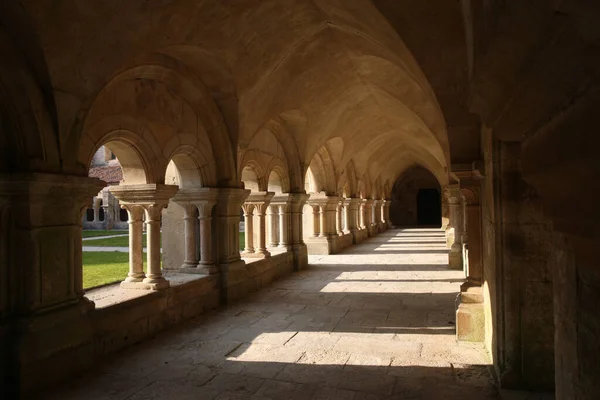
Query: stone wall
[(518, 295)]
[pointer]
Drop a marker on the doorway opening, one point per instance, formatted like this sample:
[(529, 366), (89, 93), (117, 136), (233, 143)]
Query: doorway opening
[(429, 208)]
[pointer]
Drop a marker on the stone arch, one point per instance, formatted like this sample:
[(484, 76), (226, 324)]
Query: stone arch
[(29, 140), (280, 128), (277, 167), (188, 108), (364, 187), (133, 160), (183, 171), (253, 161), (138, 157)]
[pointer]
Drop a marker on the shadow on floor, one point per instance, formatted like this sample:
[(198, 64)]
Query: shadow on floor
[(349, 327)]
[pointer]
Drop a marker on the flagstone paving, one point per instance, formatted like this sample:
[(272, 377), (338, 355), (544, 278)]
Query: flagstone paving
[(376, 322)]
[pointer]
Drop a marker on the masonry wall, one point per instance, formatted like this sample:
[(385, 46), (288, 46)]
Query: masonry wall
[(518, 274)]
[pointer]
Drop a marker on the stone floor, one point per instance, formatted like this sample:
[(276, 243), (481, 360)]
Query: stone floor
[(376, 322)]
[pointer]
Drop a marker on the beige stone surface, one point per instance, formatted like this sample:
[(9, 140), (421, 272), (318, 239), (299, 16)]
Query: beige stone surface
[(374, 322)]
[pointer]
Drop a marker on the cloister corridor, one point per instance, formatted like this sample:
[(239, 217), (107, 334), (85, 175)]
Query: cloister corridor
[(375, 322)]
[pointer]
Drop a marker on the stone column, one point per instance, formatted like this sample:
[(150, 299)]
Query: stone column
[(382, 217), (202, 200), (136, 251), (231, 267), (455, 223), (316, 220), (260, 215), (367, 213), (96, 209), (190, 236), (296, 202), (260, 202), (386, 212), (284, 220), (273, 217), (248, 223), (154, 198), (154, 277), (474, 233), (348, 215), (322, 221), (207, 262), (338, 217)]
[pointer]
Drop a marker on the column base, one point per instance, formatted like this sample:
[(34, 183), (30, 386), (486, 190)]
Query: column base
[(163, 284), (257, 254), (470, 316), (455, 260)]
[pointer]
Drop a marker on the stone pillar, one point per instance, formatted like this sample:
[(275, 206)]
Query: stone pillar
[(273, 217), (230, 264), (368, 212), (386, 213), (284, 221), (352, 218), (206, 265), (296, 202), (316, 220), (43, 310), (261, 217), (96, 209), (322, 221), (136, 251), (326, 242), (248, 224), (474, 233), (363, 214), (338, 217), (203, 200), (455, 260), (153, 197), (190, 236), (154, 277), (445, 212), (377, 215), (259, 201)]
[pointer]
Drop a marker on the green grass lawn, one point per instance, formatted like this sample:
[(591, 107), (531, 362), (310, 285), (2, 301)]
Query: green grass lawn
[(94, 233), (100, 268), (103, 267), (121, 241)]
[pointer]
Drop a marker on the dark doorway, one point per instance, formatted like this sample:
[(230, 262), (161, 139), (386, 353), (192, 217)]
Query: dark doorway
[(429, 208)]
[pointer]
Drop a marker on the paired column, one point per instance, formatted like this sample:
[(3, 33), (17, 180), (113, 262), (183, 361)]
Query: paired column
[(255, 210), (152, 198), (198, 204)]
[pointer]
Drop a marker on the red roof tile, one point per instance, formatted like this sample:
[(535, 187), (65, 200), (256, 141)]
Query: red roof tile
[(110, 174)]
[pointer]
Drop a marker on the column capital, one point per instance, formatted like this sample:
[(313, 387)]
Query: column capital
[(135, 211), (145, 194), (260, 201), (59, 194), (231, 199), (248, 209)]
